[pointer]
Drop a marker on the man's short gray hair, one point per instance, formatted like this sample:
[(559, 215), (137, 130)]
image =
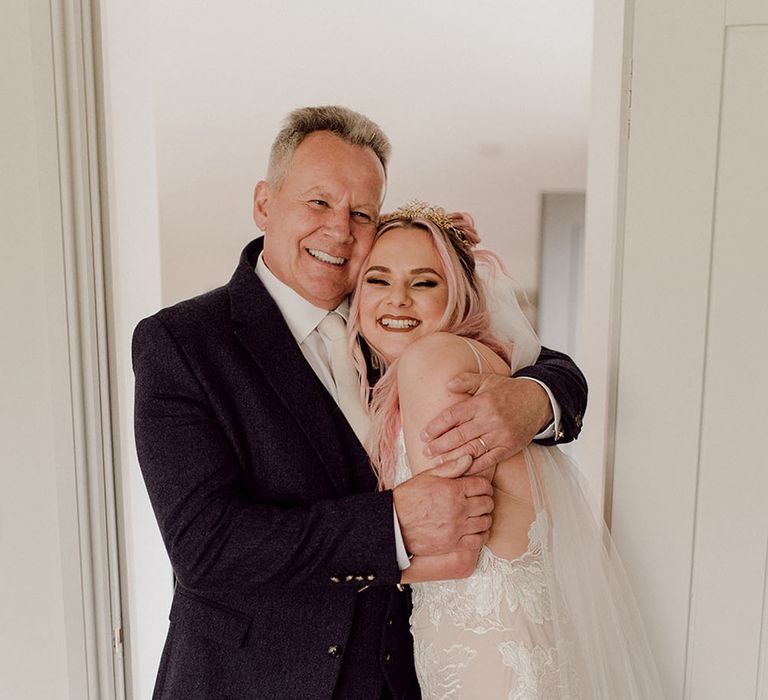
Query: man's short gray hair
[(352, 127)]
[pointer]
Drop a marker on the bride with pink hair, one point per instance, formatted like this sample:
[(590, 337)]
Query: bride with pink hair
[(544, 610)]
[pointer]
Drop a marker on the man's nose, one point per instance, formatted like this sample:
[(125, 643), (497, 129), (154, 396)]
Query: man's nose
[(338, 226)]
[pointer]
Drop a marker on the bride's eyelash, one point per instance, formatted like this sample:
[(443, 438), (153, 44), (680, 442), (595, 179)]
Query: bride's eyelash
[(425, 283), (375, 280)]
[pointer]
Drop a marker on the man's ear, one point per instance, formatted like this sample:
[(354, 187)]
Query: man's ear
[(261, 204)]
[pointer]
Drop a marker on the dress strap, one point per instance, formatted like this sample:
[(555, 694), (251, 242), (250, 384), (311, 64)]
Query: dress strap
[(480, 359)]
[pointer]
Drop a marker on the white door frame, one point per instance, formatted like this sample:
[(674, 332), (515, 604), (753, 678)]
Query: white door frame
[(87, 502), (117, 589), (604, 232)]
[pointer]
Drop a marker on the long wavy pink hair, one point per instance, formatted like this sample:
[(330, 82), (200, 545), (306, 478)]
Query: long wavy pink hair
[(465, 314)]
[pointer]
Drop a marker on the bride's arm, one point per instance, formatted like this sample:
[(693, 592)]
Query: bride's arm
[(423, 373)]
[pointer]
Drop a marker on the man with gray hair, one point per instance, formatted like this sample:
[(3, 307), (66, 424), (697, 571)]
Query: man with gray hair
[(287, 559)]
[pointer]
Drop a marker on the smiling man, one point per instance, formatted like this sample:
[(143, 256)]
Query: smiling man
[(287, 558), (319, 216)]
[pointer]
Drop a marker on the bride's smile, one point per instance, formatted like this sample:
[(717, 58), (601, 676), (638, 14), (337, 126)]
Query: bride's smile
[(398, 323), (404, 293)]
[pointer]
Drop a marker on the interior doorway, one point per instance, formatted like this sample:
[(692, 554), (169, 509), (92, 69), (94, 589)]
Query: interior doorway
[(561, 271)]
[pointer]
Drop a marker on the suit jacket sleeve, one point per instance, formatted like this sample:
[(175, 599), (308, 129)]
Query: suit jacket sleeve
[(217, 535), (569, 387)]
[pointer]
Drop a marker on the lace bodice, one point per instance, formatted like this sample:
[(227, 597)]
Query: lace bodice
[(490, 635)]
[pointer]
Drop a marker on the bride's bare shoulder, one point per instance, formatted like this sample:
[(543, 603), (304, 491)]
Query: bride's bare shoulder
[(440, 341), (437, 356)]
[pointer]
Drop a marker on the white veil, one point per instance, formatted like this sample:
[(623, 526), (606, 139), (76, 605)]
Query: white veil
[(601, 644), (597, 624), (508, 322)]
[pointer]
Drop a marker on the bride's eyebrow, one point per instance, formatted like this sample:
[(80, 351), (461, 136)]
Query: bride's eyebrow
[(423, 270), (377, 268)]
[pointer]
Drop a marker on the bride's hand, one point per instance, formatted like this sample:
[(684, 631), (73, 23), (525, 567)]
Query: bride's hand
[(500, 419)]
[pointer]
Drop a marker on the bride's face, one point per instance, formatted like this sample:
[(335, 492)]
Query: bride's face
[(404, 291)]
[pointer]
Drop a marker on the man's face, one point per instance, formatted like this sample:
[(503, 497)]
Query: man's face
[(320, 221)]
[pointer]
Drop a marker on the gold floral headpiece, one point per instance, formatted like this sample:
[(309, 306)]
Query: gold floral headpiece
[(417, 209)]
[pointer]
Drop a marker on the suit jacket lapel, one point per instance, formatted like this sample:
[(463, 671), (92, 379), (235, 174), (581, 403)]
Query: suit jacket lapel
[(262, 330)]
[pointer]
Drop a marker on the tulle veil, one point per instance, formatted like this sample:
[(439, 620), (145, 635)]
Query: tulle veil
[(599, 632)]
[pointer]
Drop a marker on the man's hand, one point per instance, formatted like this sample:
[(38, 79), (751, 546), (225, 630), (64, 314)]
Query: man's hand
[(440, 511), (500, 419)]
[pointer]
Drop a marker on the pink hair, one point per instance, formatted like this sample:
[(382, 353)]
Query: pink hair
[(466, 314)]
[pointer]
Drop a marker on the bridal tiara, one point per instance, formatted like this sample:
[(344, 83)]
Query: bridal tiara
[(417, 209)]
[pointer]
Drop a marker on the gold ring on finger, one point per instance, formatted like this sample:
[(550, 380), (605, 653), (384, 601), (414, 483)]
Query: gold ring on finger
[(482, 442)]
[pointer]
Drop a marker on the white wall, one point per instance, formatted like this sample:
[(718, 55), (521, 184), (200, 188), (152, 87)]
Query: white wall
[(486, 104), (42, 647), (690, 478)]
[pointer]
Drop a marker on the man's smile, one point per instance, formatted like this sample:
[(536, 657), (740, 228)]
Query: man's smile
[(326, 257)]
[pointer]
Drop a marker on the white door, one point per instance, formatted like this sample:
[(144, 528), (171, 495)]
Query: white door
[(690, 498)]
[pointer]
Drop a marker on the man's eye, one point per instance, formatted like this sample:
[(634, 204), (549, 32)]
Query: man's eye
[(375, 280), (318, 202), (362, 216)]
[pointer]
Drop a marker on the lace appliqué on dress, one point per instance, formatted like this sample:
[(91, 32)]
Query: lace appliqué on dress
[(541, 674), (440, 672), (497, 589)]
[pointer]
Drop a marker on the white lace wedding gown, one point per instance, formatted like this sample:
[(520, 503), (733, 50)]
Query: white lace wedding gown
[(517, 630)]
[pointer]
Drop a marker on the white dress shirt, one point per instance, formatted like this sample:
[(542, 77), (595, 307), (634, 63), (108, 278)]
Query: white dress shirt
[(302, 319)]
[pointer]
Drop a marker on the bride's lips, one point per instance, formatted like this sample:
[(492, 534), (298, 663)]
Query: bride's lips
[(398, 324)]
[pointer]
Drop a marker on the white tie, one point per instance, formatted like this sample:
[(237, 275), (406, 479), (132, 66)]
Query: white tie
[(334, 329)]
